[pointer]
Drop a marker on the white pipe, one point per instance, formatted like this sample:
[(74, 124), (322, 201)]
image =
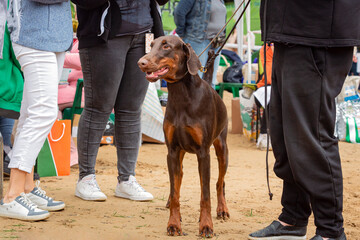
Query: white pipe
[(248, 43), (239, 29)]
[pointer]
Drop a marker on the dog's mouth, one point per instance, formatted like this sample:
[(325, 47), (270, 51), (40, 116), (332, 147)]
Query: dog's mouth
[(151, 76)]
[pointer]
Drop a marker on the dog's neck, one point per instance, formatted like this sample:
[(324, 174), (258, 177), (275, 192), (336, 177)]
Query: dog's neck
[(186, 88)]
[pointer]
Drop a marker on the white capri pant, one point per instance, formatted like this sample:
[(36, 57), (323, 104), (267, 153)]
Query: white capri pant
[(39, 108)]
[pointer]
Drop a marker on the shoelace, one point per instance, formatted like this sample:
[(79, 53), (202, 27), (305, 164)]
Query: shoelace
[(93, 183), (27, 202), (40, 191), (134, 184)]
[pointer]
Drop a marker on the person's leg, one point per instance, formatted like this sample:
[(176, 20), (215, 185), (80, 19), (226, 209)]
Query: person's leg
[(216, 66), (129, 100), (6, 126), (295, 202), (103, 68), (308, 98), (37, 114), (128, 104)]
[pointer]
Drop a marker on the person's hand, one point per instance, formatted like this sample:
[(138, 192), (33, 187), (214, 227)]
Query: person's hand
[(355, 59)]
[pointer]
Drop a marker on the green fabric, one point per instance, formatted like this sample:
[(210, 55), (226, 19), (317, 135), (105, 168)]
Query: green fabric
[(11, 79)]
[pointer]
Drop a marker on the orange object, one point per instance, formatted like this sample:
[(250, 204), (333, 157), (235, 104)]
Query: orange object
[(54, 157), (269, 60)]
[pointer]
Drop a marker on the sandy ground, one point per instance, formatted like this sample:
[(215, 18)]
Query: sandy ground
[(247, 198)]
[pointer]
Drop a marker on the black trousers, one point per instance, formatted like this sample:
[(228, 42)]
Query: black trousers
[(305, 82)]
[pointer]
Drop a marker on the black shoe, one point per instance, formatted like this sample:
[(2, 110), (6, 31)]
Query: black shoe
[(318, 237), (276, 231)]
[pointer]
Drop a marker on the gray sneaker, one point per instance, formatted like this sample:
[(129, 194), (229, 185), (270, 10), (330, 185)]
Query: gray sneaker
[(276, 231), (22, 208), (318, 237), (38, 197)]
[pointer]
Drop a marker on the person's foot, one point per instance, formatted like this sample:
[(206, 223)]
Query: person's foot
[(132, 190), (318, 237), (88, 189), (262, 142), (22, 208), (276, 231), (38, 197)]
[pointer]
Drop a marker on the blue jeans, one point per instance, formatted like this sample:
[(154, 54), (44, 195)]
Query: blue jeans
[(198, 48), (112, 80), (6, 126)]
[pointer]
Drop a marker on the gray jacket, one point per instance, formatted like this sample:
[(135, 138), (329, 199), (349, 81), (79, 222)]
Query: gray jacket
[(3, 7), (41, 24)]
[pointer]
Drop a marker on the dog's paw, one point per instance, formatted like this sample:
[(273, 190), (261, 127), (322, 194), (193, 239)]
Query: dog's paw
[(222, 212), (223, 215), (173, 230), (206, 232)]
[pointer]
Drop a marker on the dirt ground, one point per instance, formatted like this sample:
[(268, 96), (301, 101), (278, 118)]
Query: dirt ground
[(246, 192)]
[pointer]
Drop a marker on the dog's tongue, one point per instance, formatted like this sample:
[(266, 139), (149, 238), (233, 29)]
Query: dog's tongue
[(157, 73)]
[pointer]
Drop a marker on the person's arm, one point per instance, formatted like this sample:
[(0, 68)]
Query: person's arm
[(89, 4), (181, 10)]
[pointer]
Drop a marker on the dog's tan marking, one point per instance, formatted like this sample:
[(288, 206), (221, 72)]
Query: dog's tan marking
[(196, 133), (169, 131)]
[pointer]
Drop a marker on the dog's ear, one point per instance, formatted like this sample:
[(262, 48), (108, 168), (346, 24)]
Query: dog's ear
[(193, 62)]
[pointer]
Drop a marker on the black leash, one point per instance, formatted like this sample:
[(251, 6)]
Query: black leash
[(266, 108), (204, 69)]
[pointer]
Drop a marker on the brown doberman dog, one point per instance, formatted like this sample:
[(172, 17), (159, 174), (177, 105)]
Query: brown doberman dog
[(195, 119)]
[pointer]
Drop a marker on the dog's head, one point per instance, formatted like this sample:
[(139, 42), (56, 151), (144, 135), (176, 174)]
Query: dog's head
[(169, 59)]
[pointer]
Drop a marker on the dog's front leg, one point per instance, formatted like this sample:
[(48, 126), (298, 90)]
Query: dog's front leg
[(206, 226), (174, 161)]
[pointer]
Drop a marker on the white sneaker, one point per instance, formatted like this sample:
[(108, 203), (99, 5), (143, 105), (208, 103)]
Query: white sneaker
[(22, 208), (88, 189), (38, 197), (131, 189), (262, 142)]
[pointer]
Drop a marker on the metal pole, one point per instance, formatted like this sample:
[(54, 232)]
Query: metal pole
[(1, 166), (240, 30), (248, 43)]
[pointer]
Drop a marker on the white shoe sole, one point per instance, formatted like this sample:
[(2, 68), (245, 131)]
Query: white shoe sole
[(53, 208), (279, 238), (26, 218), (87, 198), (134, 198)]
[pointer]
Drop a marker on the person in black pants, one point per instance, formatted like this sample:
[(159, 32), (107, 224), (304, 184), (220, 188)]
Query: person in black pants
[(310, 65)]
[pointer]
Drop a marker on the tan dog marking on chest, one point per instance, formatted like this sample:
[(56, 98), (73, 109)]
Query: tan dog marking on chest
[(196, 133), (169, 131)]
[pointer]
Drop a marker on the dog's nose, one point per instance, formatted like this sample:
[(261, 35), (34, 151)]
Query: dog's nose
[(143, 62)]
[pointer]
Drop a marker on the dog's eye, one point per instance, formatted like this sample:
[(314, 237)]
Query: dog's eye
[(166, 46)]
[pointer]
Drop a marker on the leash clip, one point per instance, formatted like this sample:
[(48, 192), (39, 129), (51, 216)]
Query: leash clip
[(203, 69)]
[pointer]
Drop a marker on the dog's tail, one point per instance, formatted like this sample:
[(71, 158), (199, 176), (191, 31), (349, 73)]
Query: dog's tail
[(208, 75)]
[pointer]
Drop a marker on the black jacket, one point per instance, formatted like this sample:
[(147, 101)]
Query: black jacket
[(326, 23), (89, 13)]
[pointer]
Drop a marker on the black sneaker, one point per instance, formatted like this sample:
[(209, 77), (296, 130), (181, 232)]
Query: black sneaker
[(276, 231), (318, 237)]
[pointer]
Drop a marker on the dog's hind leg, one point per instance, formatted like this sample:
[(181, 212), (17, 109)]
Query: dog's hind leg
[(174, 161), (222, 156), (206, 226)]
